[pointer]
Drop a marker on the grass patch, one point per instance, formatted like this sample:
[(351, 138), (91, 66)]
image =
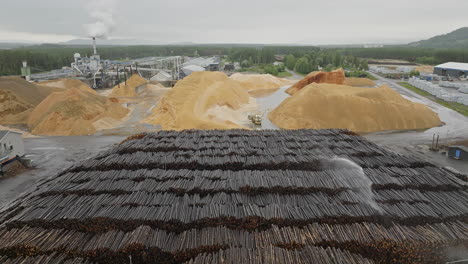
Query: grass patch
[(283, 74), (460, 108), (372, 77), (360, 74)]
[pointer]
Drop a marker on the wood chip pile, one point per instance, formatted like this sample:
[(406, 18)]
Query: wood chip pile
[(238, 196)]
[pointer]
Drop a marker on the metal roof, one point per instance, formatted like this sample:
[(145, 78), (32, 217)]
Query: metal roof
[(460, 147), (162, 76), (453, 66), (192, 68), (202, 62), (3, 133)]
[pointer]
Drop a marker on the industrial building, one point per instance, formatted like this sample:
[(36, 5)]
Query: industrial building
[(209, 64), (458, 152), (11, 145), (99, 73), (26, 71), (192, 68), (452, 69)]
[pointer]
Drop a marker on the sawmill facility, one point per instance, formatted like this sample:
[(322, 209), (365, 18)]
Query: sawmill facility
[(101, 73), (142, 132)]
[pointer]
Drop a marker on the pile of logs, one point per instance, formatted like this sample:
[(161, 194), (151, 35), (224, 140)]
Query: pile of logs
[(239, 196)]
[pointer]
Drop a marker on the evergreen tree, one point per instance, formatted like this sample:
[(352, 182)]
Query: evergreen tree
[(290, 61), (302, 66)]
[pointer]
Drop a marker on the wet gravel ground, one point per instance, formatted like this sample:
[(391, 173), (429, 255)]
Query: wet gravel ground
[(416, 143), (51, 155), (455, 125)]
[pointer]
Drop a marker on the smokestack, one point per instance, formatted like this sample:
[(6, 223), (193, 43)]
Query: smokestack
[(94, 45)]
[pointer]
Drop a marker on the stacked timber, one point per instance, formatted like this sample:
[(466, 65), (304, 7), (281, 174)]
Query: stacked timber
[(238, 196)]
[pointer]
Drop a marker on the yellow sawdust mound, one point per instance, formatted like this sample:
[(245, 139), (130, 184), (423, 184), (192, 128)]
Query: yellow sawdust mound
[(130, 89), (68, 84), (18, 97), (73, 112), (321, 106), (259, 84), (13, 110), (425, 69), (359, 82), (334, 77), (185, 105)]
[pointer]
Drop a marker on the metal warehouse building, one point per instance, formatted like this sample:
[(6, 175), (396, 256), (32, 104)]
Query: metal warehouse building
[(452, 69)]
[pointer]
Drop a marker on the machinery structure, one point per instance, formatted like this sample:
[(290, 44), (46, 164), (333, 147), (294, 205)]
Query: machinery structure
[(105, 73), (26, 71), (92, 68), (255, 119), (150, 66), (99, 73)]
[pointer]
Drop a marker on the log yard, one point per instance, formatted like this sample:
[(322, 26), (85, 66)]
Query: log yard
[(138, 151)]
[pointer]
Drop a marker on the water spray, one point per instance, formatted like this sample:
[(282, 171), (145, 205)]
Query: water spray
[(356, 177)]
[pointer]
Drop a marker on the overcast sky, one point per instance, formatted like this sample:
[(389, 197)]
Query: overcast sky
[(239, 21)]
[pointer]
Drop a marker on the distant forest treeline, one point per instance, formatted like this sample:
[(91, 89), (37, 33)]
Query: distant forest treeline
[(48, 57), (412, 54)]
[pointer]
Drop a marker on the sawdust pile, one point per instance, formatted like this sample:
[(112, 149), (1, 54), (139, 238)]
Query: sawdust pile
[(74, 112), (320, 106), (18, 97), (131, 89), (334, 77), (186, 105), (154, 90), (425, 69), (260, 84), (359, 82), (68, 84)]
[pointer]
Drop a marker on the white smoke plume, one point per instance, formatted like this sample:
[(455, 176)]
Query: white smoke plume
[(102, 11)]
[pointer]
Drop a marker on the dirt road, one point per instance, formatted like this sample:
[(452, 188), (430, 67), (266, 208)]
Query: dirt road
[(294, 76), (141, 107)]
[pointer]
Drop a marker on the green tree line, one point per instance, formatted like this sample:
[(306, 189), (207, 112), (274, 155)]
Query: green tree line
[(303, 59), (49, 56), (326, 60), (412, 54)]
